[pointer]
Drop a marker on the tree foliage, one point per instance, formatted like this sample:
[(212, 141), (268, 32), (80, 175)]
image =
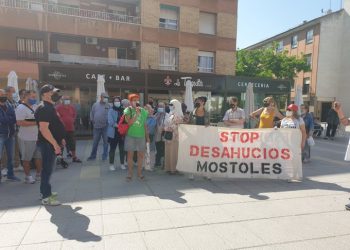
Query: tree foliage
[(269, 63)]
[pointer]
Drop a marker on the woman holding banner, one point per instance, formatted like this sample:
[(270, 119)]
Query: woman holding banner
[(171, 136), (346, 122), (267, 113)]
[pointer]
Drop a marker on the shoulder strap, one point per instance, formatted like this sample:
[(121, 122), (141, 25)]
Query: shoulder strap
[(28, 107)]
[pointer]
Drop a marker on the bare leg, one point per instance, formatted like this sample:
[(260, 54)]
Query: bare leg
[(140, 156), (26, 167), (130, 163), (38, 165)]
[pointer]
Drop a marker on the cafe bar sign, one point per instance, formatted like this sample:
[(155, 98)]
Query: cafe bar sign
[(80, 75)]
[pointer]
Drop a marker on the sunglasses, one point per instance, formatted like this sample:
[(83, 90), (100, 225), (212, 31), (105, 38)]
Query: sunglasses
[(171, 105)]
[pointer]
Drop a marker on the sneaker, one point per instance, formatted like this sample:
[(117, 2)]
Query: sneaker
[(50, 201), (69, 155), (123, 167), (4, 172), (347, 206), (13, 178), (76, 160), (91, 158), (306, 161), (326, 138), (29, 179), (53, 194), (112, 168)]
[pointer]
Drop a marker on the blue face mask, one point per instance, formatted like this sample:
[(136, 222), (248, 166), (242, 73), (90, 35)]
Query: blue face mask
[(160, 110), (32, 101), (117, 104)]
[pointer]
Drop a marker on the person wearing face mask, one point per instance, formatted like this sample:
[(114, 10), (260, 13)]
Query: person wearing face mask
[(309, 127), (99, 119), (172, 145), (200, 116), (114, 137), (28, 136), (50, 140), (68, 114), (235, 116), (267, 113), (7, 133), (137, 135), (161, 116)]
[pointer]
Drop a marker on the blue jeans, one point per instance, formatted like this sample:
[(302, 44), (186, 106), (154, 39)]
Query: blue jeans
[(48, 160), (9, 144), (98, 133)]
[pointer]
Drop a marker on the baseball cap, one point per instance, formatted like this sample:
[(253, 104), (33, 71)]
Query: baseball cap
[(293, 107), (47, 88)]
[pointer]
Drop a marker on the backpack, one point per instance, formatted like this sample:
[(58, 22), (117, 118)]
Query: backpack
[(122, 126)]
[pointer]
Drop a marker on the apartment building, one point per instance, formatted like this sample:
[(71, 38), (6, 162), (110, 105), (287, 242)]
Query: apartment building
[(142, 46), (324, 42)]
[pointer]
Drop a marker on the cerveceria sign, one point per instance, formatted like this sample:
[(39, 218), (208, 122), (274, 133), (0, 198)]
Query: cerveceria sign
[(79, 75), (239, 84)]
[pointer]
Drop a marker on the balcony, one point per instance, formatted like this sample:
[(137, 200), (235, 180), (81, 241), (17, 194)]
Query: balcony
[(93, 60), (58, 9)]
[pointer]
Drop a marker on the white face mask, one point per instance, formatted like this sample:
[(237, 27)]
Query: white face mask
[(289, 113), (105, 100), (117, 104)]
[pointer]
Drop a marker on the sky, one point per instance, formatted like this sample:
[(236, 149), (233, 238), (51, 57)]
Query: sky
[(261, 19)]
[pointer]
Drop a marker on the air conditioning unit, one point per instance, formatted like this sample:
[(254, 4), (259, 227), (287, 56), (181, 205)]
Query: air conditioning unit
[(91, 40)]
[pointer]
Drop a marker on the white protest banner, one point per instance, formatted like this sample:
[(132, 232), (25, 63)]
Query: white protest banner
[(240, 153)]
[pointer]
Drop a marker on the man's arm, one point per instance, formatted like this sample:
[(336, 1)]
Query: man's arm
[(24, 123), (44, 130), (92, 113)]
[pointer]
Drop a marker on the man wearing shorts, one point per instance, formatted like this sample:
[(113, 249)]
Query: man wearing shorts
[(28, 135), (135, 140)]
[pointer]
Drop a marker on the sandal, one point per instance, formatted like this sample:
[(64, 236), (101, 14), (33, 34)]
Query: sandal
[(141, 178), (128, 178)]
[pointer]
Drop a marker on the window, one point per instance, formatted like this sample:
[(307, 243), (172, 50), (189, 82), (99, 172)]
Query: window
[(206, 62), (279, 46), (69, 48), (168, 17), (310, 36), (294, 42), (306, 86), (207, 23), (168, 58), (118, 10), (117, 53), (30, 48), (309, 60)]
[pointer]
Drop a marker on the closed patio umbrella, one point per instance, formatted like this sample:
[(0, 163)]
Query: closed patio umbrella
[(298, 100), (12, 81), (100, 86), (249, 106), (189, 96)]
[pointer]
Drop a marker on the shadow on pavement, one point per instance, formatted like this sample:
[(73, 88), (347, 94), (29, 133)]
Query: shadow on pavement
[(74, 226)]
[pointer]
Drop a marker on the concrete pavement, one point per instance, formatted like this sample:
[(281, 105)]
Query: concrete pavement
[(102, 211)]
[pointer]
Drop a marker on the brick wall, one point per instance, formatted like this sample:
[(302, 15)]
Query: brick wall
[(189, 19), (150, 12), (225, 63), (226, 25), (149, 55), (188, 59)]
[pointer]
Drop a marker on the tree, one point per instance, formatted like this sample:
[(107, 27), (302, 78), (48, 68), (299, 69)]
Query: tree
[(269, 63)]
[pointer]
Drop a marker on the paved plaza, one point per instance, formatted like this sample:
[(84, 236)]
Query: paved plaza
[(102, 211)]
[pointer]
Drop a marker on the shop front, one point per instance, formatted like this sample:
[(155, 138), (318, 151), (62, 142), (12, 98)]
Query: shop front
[(81, 84), (165, 86), (263, 87)]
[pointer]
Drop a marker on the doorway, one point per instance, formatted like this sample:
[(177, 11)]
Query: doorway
[(325, 107)]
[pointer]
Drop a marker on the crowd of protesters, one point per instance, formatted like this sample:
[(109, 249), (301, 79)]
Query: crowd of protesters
[(44, 130)]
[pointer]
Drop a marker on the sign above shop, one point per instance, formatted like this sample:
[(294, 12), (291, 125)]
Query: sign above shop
[(239, 84), (83, 75)]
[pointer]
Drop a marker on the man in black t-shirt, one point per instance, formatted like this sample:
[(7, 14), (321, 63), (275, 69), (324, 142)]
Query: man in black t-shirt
[(50, 139)]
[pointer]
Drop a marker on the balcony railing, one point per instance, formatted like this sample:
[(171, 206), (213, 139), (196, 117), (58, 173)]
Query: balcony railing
[(168, 67), (68, 11), (93, 60), (205, 70)]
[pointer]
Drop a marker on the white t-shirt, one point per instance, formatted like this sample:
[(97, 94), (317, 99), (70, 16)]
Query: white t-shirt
[(26, 133), (231, 115), (292, 123)]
